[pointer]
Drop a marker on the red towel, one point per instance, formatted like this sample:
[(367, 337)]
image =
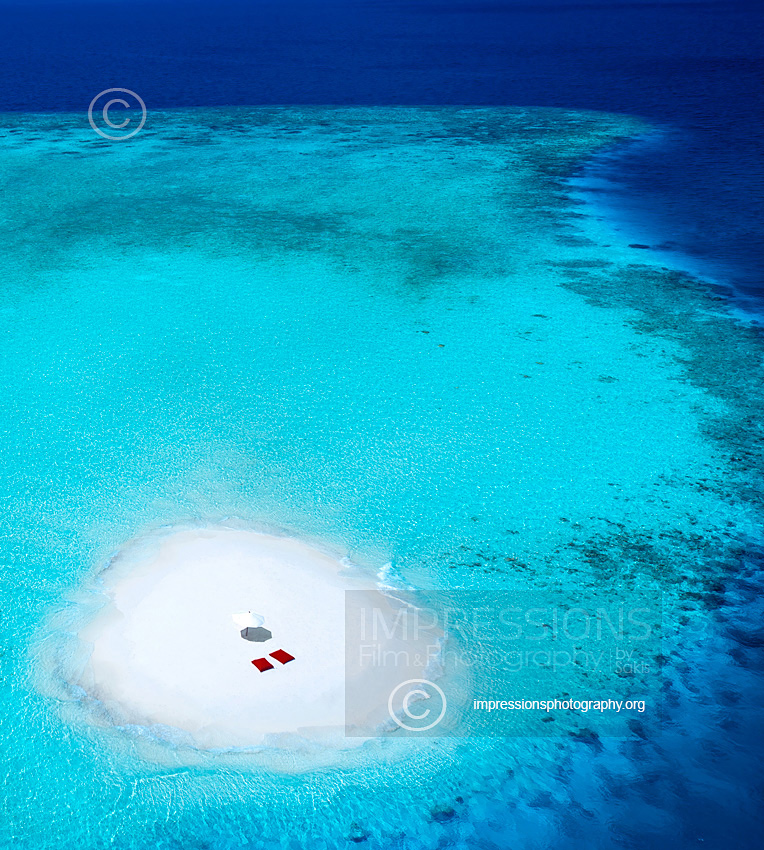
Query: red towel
[(262, 664), (280, 655)]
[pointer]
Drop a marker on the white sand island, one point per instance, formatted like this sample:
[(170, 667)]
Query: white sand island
[(167, 650)]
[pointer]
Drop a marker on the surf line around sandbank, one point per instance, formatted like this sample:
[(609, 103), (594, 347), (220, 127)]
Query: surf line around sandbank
[(155, 645)]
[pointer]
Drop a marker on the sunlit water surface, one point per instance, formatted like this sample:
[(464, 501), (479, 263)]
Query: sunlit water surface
[(395, 332)]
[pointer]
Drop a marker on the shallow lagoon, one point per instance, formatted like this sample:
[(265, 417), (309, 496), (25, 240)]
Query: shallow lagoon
[(391, 330)]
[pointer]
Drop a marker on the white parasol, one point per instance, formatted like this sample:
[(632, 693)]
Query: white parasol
[(248, 620)]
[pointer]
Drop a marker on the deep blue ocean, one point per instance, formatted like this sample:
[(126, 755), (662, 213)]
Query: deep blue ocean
[(697, 68)]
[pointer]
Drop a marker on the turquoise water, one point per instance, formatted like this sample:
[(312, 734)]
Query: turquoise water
[(391, 330)]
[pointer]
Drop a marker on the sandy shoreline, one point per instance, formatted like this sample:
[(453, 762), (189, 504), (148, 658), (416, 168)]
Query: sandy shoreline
[(166, 652)]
